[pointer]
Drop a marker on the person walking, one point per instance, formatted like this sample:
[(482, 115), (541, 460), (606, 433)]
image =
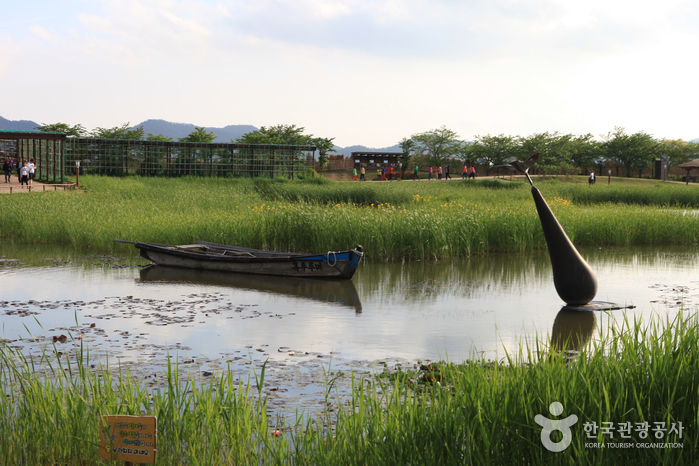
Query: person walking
[(354, 174), (383, 173), (362, 175), (24, 174), (8, 171), (591, 180), (415, 177), (32, 171), (439, 173), (429, 174), (464, 174), (446, 174), (473, 172), (390, 173)]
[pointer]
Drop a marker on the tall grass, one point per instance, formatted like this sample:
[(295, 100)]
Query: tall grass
[(477, 412), (52, 416), (391, 220), (666, 195)]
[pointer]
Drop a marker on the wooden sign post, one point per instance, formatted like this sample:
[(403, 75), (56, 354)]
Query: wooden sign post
[(128, 438)]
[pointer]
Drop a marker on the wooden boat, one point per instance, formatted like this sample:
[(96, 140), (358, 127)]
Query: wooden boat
[(222, 258)]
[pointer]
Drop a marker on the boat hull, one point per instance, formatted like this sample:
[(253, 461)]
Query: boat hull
[(223, 258)]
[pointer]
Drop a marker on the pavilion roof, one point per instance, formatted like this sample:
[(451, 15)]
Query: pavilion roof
[(690, 165)]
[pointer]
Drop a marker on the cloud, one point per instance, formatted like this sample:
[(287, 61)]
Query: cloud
[(367, 71), (142, 32), (8, 51), (439, 29), (41, 33)]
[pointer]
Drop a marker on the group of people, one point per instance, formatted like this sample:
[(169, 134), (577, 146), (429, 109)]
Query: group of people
[(362, 174), (25, 170), (439, 171), (385, 172)]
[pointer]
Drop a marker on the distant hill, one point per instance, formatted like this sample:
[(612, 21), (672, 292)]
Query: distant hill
[(346, 151), (17, 125), (227, 133), (181, 130)]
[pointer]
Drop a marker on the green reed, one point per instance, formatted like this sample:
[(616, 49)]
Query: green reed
[(481, 412), (475, 412), (658, 194), (391, 220), (52, 415)]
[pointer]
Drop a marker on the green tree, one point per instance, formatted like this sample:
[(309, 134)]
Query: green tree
[(584, 152), (634, 151), (407, 147), (677, 151), (438, 144), (199, 135), (280, 134), (123, 132), (552, 149), (324, 146), (692, 150), (289, 135), (494, 150), (466, 154), (77, 131), (159, 137)]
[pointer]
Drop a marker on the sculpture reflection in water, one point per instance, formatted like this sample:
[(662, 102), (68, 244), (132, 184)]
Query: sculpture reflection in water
[(572, 330), (341, 292)]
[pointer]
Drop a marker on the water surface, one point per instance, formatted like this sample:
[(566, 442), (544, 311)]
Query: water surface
[(413, 310)]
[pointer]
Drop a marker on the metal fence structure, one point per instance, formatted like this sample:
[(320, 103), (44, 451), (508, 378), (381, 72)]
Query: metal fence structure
[(171, 159)]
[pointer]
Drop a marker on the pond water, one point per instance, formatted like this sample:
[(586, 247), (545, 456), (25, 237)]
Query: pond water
[(390, 312)]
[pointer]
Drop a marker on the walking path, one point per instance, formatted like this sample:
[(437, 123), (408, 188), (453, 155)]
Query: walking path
[(14, 186)]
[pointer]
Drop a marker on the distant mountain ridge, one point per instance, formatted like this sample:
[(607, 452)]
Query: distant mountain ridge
[(347, 151), (181, 130), (17, 125)]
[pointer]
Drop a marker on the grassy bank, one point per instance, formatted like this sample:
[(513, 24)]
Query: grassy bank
[(478, 412), (391, 220)]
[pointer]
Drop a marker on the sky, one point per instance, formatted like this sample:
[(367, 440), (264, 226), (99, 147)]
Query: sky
[(368, 72)]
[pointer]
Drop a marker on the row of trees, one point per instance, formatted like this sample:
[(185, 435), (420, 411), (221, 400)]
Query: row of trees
[(289, 135), (559, 153), (124, 133)]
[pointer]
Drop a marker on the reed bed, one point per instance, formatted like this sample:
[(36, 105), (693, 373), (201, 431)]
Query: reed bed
[(476, 412), (399, 220), (658, 194)]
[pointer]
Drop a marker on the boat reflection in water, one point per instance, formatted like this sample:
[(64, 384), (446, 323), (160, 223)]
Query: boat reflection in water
[(572, 330), (340, 292)]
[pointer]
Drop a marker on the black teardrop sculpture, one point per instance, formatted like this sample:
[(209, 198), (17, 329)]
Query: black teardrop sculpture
[(575, 281)]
